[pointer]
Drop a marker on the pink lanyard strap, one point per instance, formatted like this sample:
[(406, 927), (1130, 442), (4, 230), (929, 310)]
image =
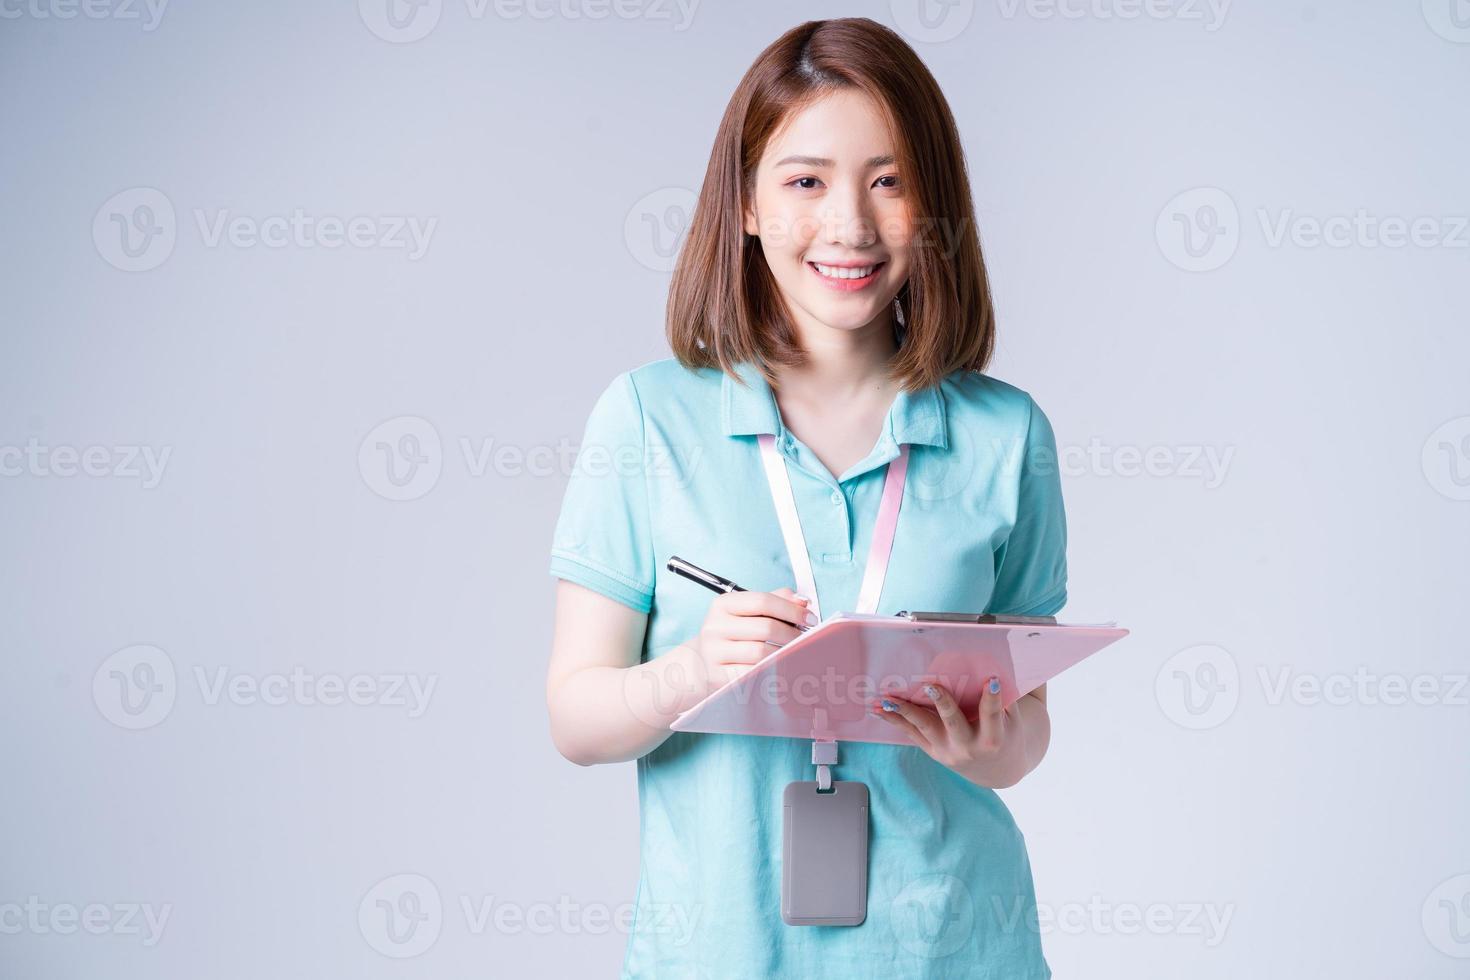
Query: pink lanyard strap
[(883, 528)]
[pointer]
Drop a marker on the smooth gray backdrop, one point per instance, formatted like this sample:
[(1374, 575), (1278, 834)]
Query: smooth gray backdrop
[(302, 310)]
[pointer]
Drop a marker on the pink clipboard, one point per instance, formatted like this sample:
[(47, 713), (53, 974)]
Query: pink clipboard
[(820, 685)]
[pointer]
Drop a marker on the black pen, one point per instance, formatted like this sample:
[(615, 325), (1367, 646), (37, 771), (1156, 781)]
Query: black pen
[(713, 582)]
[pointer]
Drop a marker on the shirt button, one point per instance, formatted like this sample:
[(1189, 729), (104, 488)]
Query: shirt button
[(836, 497)]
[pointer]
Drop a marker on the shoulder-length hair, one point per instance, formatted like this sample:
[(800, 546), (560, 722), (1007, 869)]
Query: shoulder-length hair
[(724, 305)]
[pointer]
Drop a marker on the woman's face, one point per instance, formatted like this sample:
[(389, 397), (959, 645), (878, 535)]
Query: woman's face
[(829, 204)]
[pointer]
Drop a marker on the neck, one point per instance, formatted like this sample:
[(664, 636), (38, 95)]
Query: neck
[(841, 362)]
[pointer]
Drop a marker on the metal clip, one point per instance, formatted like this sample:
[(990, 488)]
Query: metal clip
[(824, 755)]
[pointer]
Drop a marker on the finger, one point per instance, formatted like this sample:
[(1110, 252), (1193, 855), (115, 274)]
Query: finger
[(742, 651), (951, 714), (786, 609), (926, 721), (789, 593), (992, 715), (899, 721), (764, 628)]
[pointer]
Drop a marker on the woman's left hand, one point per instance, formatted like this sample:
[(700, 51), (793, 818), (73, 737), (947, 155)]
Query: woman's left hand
[(991, 752)]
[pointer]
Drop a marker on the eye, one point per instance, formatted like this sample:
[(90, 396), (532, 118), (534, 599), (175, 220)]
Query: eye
[(892, 185)]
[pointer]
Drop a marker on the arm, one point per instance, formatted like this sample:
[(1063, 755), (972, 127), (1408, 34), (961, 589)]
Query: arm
[(1034, 722), (604, 705)]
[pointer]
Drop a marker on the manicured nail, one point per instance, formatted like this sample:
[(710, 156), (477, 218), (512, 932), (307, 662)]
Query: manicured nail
[(995, 685), (801, 598), (889, 705), (811, 618), (932, 691)]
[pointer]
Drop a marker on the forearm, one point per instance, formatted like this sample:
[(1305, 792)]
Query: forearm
[(1035, 723), (614, 714)]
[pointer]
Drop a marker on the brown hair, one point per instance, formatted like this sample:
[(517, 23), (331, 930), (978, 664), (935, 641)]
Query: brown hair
[(724, 305)]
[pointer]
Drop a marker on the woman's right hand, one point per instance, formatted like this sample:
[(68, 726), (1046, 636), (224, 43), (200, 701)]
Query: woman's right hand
[(740, 629)]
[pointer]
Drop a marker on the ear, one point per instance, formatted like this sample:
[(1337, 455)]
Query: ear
[(752, 225)]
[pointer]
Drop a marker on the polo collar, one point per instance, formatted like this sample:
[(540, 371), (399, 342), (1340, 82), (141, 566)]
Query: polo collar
[(914, 417)]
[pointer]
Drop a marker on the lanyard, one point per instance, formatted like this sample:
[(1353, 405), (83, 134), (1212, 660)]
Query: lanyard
[(882, 543)]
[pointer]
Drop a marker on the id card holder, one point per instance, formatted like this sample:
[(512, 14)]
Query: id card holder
[(824, 850)]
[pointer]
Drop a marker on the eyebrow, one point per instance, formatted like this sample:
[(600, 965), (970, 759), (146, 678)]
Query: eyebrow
[(882, 161)]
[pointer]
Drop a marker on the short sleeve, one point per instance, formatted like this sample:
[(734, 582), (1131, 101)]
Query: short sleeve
[(1031, 566), (603, 538)]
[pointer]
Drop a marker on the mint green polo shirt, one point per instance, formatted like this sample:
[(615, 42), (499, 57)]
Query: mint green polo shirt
[(669, 465)]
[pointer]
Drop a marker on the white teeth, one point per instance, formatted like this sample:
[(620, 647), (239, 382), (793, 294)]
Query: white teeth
[(835, 272)]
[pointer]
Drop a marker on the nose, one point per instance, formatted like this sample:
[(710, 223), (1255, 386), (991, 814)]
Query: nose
[(847, 219)]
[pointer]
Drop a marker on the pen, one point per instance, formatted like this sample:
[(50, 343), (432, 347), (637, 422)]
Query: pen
[(713, 582)]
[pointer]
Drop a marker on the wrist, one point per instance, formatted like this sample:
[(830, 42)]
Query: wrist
[(681, 677)]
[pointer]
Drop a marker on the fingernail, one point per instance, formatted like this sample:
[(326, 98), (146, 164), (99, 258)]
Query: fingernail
[(801, 598), (932, 691), (889, 705), (811, 618), (995, 685)]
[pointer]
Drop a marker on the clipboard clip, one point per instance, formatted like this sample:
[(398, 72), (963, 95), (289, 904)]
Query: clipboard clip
[(824, 756), (954, 617)]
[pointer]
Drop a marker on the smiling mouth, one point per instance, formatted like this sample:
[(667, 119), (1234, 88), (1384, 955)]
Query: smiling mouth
[(845, 277)]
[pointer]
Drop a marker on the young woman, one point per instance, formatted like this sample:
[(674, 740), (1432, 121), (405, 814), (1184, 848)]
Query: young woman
[(831, 296)]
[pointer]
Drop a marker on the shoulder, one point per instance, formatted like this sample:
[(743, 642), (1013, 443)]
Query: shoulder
[(657, 393), (667, 377), (974, 398), (665, 388)]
